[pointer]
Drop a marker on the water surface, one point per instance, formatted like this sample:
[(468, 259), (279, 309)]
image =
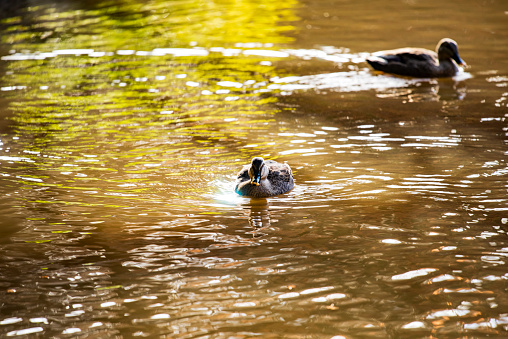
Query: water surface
[(123, 127)]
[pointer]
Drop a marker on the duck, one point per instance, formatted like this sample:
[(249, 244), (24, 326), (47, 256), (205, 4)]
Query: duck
[(261, 179), (419, 62)]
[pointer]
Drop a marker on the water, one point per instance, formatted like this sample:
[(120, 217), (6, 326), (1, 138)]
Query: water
[(123, 126)]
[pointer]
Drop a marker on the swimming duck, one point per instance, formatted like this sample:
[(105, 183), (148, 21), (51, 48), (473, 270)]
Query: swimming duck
[(419, 62), (262, 179)]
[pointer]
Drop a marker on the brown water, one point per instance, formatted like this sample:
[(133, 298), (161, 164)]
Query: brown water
[(123, 126)]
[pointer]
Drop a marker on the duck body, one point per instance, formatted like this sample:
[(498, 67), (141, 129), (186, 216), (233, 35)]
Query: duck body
[(261, 179), (419, 62)]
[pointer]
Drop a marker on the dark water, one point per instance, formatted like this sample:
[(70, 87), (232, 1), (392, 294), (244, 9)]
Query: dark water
[(123, 125)]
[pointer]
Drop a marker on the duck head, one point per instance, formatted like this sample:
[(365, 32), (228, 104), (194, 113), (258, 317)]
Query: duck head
[(257, 171), (447, 49)]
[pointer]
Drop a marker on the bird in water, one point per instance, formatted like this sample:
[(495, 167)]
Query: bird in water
[(419, 62), (262, 179)]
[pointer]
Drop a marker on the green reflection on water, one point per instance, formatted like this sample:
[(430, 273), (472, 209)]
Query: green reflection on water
[(119, 125), (139, 25)]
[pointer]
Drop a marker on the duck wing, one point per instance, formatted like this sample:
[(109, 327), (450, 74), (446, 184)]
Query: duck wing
[(243, 175), (404, 61), (279, 173)]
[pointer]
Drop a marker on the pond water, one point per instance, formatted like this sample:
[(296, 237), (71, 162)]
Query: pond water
[(123, 126)]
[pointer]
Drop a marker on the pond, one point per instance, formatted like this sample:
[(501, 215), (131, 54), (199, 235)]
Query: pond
[(122, 128)]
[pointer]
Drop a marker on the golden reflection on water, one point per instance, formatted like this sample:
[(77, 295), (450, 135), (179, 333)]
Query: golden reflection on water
[(129, 121), (145, 123)]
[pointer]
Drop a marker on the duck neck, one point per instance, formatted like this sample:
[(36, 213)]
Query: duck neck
[(447, 67)]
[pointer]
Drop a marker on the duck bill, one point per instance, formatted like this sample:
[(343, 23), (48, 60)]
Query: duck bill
[(256, 180), (459, 60)]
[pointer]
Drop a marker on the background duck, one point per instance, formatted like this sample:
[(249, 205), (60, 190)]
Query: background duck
[(262, 179), (419, 62)]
